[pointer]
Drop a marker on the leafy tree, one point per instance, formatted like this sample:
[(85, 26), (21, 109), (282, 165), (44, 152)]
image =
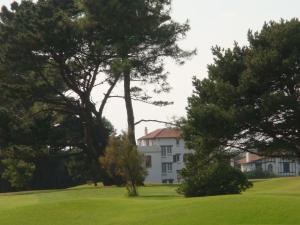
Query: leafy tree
[(79, 168), (17, 170), (250, 100), (111, 161), (144, 35), (67, 48), (51, 141), (37, 140), (205, 177), (53, 47), (122, 160), (50, 138)]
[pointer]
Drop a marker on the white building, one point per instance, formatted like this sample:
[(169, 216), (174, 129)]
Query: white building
[(277, 166), (164, 150)]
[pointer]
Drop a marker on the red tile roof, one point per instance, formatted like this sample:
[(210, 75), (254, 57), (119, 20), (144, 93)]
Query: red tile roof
[(241, 161), (163, 133), (252, 158)]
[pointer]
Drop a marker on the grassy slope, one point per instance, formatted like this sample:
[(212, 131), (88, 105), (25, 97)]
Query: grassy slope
[(275, 201)]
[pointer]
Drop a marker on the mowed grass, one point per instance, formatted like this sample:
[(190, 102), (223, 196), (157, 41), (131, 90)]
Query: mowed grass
[(275, 201)]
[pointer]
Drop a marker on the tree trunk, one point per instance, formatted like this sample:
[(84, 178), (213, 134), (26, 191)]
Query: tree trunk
[(91, 134), (134, 189), (131, 129), (129, 109)]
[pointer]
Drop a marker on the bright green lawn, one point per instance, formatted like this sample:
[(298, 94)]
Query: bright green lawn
[(275, 201)]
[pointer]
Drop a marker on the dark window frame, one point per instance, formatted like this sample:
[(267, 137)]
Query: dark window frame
[(148, 161)]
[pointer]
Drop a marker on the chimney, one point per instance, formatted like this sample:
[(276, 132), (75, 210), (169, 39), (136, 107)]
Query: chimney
[(247, 157), (146, 130)]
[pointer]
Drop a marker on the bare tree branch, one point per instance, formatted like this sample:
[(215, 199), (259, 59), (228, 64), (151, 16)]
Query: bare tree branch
[(108, 93), (155, 103), (156, 121)]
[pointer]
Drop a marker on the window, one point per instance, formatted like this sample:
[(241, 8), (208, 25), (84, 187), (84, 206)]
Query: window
[(166, 167), (286, 167), (177, 142), (176, 158), (148, 161), (166, 150), (169, 150), (167, 181), (270, 168), (258, 166), (170, 181)]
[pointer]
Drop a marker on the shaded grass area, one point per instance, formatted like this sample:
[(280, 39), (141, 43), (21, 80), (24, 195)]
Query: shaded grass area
[(275, 201)]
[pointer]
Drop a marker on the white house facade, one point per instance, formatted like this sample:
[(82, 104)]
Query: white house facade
[(164, 151), (277, 166)]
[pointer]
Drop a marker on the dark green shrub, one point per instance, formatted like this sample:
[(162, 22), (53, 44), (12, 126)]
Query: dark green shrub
[(218, 178), (258, 174)]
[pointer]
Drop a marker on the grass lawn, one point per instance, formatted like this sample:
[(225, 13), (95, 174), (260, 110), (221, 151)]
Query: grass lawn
[(275, 201)]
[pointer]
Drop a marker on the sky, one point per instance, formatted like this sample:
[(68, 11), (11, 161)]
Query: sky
[(213, 22)]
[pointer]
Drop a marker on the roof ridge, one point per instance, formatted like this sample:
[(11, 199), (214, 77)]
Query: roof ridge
[(163, 133), (151, 133), (160, 130)]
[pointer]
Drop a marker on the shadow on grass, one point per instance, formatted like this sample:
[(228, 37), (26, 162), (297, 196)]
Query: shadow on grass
[(47, 191), (171, 196), (81, 188), (279, 194)]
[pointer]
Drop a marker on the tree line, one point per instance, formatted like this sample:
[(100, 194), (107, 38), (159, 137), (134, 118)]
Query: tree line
[(54, 54)]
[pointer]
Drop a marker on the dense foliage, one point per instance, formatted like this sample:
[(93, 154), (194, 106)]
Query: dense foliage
[(53, 48), (205, 177), (250, 102), (251, 98), (38, 144), (37, 147), (259, 174), (124, 163), (55, 53)]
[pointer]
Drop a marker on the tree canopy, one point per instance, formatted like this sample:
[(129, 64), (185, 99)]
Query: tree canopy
[(52, 48), (251, 98), (144, 34), (54, 54), (37, 145)]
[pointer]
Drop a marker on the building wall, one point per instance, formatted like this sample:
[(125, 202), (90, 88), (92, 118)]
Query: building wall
[(278, 166), (155, 172)]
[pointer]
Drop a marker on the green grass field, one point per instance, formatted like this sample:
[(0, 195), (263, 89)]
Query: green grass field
[(275, 201)]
